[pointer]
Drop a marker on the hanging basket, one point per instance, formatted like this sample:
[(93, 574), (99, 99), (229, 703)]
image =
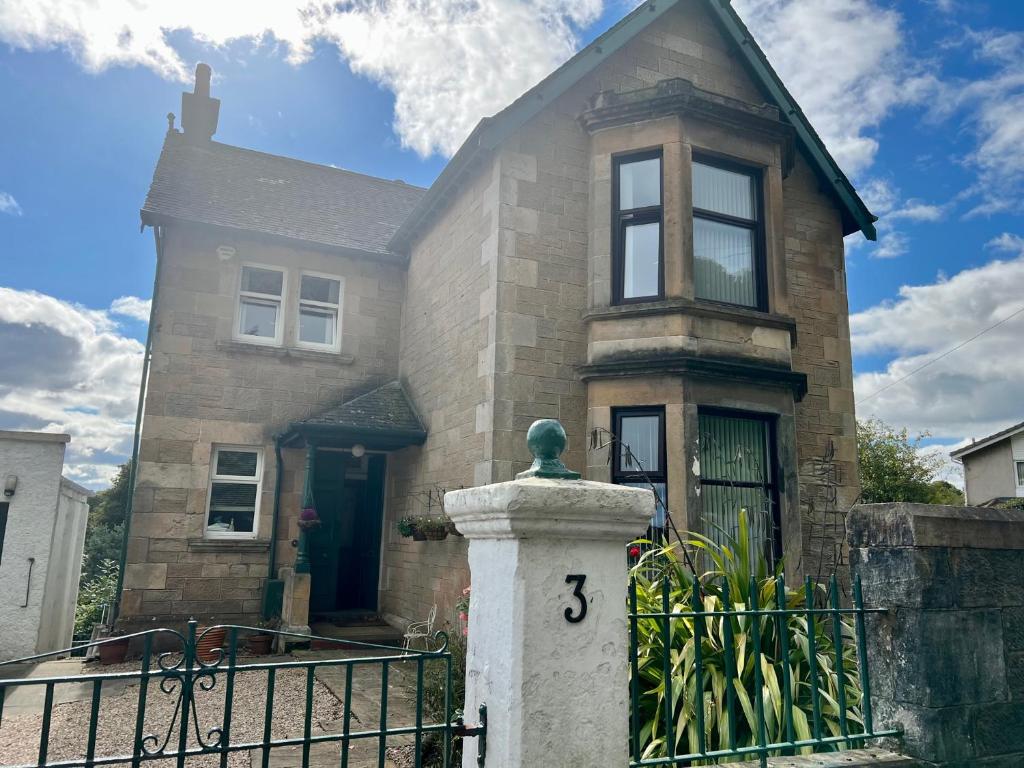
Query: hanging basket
[(436, 534)]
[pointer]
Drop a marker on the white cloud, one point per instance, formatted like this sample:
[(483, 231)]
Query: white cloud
[(918, 211), (67, 369), (1006, 242), (891, 245), (971, 392), (9, 205), (860, 71), (448, 62), (131, 306)]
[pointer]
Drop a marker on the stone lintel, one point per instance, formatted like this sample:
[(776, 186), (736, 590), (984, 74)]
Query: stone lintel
[(932, 525), (550, 509)]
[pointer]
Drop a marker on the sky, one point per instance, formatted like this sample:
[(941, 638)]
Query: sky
[(920, 101)]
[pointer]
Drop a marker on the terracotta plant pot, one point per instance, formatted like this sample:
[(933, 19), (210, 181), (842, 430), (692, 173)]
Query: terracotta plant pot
[(113, 652), (259, 645), (209, 643)]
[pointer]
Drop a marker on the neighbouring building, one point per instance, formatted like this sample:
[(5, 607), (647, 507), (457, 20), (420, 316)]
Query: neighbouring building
[(993, 467), (648, 246), (42, 535)]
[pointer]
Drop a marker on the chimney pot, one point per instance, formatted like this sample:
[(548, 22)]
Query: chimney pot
[(199, 112), (202, 86)]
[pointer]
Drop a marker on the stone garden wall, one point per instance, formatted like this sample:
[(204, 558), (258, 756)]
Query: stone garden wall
[(948, 656)]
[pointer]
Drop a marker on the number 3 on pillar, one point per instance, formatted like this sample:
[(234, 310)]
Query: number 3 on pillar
[(578, 579)]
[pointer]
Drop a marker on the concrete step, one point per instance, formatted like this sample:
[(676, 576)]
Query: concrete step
[(345, 635)]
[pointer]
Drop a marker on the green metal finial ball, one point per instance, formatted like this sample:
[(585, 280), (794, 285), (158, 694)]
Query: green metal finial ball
[(546, 440)]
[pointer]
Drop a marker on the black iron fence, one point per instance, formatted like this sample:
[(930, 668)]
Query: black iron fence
[(173, 717)]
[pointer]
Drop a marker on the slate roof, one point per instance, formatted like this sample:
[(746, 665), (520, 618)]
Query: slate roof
[(490, 132), (221, 185), (385, 409), (985, 442)]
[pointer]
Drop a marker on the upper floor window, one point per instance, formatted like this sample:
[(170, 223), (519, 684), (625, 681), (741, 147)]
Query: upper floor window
[(260, 294), (727, 235), (637, 222), (319, 312), (234, 496)]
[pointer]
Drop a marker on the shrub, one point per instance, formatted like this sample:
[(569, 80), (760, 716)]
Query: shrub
[(100, 591), (731, 564)]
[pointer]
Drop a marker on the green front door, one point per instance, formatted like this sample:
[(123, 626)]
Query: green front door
[(345, 551)]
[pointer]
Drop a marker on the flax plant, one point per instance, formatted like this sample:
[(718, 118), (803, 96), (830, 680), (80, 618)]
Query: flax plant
[(727, 643)]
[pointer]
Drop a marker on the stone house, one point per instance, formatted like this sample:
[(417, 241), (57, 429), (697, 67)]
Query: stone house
[(993, 467), (648, 246)]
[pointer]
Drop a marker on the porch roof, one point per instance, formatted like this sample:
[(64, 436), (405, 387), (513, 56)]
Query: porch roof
[(382, 419)]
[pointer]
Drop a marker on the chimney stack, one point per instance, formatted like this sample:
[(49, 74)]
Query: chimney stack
[(199, 112)]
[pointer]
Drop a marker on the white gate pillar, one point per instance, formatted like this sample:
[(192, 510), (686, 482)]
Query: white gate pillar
[(548, 634)]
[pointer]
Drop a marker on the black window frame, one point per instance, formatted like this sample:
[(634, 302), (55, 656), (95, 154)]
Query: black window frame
[(646, 215), (774, 475), (757, 225), (630, 476), (5, 508)]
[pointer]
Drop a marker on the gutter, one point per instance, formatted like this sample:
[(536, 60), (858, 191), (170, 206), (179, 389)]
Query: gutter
[(158, 237)]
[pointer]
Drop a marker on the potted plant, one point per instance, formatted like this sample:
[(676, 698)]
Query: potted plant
[(260, 643), (407, 527), (113, 649), (210, 642), (433, 528)]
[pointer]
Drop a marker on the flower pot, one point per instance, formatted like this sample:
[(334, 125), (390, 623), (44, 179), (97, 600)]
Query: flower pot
[(418, 535), (259, 645), (209, 642), (113, 651), (436, 534)]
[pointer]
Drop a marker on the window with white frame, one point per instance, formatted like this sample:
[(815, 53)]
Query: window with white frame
[(319, 312), (260, 297), (234, 498)]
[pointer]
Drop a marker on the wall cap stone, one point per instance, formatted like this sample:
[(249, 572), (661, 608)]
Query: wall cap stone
[(932, 525), (856, 758), (550, 509)]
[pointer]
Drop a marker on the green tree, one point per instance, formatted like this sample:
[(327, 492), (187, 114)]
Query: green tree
[(892, 467), (108, 507), (942, 492)]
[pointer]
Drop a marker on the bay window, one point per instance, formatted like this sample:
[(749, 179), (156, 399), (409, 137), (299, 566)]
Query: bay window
[(637, 227), (638, 458), (727, 235), (737, 472)]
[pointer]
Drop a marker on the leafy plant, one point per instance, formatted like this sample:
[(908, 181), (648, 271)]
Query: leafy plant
[(730, 568), (432, 527), (93, 596), (407, 526)]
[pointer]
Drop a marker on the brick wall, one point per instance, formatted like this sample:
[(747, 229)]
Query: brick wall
[(206, 389)]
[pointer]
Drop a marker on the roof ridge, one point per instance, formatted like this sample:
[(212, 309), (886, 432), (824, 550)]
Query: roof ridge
[(321, 166)]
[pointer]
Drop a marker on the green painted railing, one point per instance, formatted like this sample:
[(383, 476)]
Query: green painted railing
[(718, 678), (182, 671)]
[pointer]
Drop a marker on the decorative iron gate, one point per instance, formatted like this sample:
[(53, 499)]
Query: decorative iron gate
[(197, 664)]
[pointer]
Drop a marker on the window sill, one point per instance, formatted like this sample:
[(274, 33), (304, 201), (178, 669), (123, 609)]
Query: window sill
[(234, 346), (697, 309), (228, 545)]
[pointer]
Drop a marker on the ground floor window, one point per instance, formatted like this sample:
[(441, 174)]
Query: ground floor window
[(638, 458), (737, 472), (234, 498)]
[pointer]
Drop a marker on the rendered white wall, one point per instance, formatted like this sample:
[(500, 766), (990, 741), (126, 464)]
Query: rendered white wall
[(32, 521)]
